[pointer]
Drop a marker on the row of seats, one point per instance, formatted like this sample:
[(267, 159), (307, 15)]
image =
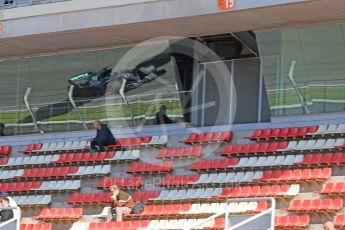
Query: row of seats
[(48, 214), (277, 147), (269, 161), (333, 188), (247, 162), (5, 150), (145, 195), (129, 182), (213, 164), (153, 225), (260, 191), (201, 208), (178, 180), (87, 198), (285, 133), (327, 205), (180, 152), (35, 200), (324, 130), (54, 147), (127, 155), (157, 167), (232, 192), (45, 226), (37, 186), (55, 172), (102, 156), (254, 148), (142, 141), (187, 194), (208, 137), (324, 159), (281, 222), (313, 145), (265, 176), (64, 146), (291, 222), (298, 132)]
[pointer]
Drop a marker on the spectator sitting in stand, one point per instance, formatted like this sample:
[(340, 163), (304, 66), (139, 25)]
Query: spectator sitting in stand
[(162, 117), (121, 203), (6, 214), (103, 138)]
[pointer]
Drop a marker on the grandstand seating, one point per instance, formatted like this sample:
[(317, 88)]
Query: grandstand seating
[(326, 205), (61, 172), (158, 167), (260, 191), (199, 208), (201, 165), (180, 152), (298, 132), (45, 226), (336, 188), (145, 195), (87, 198), (283, 133), (199, 138), (38, 186), (292, 222), (36, 200), (252, 149), (279, 167), (49, 214)]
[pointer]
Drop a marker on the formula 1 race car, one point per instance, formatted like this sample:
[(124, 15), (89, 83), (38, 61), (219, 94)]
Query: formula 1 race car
[(93, 84)]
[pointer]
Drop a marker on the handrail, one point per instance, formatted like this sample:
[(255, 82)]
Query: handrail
[(226, 214), (27, 104), (298, 91), (70, 98)]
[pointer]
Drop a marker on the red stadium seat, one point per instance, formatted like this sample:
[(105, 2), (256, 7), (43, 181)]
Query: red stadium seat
[(339, 220), (31, 147), (5, 150), (4, 161)]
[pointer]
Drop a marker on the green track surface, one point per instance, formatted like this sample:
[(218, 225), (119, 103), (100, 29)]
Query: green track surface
[(101, 112)]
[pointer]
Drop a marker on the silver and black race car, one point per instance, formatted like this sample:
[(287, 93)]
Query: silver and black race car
[(93, 84)]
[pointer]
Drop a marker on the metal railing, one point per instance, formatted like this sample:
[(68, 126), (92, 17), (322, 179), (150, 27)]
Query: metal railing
[(226, 214), (11, 224)]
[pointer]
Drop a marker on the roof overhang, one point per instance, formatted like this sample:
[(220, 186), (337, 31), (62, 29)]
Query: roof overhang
[(267, 17)]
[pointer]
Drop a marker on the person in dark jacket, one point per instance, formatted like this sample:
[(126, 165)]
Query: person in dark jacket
[(162, 117), (6, 214), (2, 127), (103, 138)]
